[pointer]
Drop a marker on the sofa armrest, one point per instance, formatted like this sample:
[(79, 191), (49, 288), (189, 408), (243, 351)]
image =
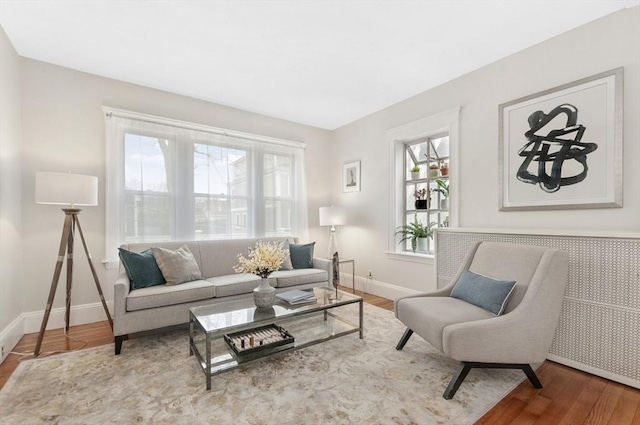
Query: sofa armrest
[(121, 289), (324, 264)]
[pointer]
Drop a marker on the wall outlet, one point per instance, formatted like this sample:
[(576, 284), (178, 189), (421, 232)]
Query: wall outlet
[(370, 275), (1, 351)]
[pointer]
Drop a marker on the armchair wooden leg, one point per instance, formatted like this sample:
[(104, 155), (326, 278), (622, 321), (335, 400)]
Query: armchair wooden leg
[(458, 377), (118, 343), (465, 367), (405, 337), (531, 375)]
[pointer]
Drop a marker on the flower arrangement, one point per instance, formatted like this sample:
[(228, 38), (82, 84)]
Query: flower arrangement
[(420, 194), (263, 260)]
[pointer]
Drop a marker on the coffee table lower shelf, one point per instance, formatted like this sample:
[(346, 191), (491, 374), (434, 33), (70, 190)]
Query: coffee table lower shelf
[(308, 330)]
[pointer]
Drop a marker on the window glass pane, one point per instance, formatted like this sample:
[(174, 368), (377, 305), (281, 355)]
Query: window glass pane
[(441, 146), (147, 217), (219, 218), (278, 172), (145, 163), (277, 217), (219, 170), (419, 152)]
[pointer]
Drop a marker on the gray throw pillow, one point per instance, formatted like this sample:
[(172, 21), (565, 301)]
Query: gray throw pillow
[(177, 266), (286, 264), (301, 255), (483, 291), (141, 267)]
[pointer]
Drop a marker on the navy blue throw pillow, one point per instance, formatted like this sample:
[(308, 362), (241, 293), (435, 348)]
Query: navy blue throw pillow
[(142, 269), (301, 255)]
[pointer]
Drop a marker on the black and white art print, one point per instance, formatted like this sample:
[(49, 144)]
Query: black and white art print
[(562, 148)]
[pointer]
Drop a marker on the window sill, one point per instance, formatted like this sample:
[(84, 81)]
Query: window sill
[(412, 257)]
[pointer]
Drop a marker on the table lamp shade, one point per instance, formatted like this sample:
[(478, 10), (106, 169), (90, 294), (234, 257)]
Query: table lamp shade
[(66, 189), (333, 216)]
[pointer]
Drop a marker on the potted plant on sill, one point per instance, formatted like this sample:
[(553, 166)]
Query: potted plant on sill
[(444, 168), (443, 188), (415, 172), (423, 198), (433, 170), (418, 234)]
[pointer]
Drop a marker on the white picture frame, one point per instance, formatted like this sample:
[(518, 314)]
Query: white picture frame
[(351, 176), (562, 148)]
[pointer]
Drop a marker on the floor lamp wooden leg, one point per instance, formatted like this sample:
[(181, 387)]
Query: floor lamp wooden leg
[(67, 312), (93, 272), (54, 282)]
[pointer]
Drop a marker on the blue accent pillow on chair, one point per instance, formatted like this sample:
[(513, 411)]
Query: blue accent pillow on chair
[(483, 291), (142, 268), (301, 255)]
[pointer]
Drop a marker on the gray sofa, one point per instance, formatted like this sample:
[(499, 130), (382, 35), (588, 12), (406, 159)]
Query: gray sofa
[(160, 306)]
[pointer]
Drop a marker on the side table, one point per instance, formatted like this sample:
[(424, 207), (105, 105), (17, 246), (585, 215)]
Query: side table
[(353, 273)]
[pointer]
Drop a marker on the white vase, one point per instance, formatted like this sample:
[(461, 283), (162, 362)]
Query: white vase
[(444, 204), (264, 295), (415, 175), (423, 244)]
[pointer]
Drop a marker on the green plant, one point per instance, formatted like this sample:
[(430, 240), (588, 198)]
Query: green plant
[(443, 187), (415, 169), (415, 230)]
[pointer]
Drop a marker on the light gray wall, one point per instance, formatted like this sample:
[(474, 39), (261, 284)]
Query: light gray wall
[(10, 187), (63, 130), (602, 45)]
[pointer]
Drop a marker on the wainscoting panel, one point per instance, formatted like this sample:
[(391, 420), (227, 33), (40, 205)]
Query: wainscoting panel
[(599, 328)]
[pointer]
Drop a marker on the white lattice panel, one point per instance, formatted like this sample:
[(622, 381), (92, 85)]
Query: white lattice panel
[(600, 319)]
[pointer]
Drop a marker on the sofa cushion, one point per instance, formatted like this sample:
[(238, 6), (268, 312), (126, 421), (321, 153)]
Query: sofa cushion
[(160, 296), (286, 264), (177, 266), (234, 284), (141, 267), (428, 316), (485, 292), (287, 278), (301, 255)]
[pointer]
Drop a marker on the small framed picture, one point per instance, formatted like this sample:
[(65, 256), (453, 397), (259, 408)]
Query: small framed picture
[(351, 177)]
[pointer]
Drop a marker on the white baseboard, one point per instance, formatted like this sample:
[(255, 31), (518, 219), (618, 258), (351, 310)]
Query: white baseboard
[(30, 322), (11, 335)]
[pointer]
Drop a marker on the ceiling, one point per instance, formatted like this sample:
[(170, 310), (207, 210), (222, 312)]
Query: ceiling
[(321, 63)]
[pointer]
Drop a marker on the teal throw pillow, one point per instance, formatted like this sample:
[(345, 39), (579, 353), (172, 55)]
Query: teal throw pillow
[(484, 292), (301, 255), (142, 268)]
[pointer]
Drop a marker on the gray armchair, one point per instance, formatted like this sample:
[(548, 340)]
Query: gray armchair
[(476, 337)]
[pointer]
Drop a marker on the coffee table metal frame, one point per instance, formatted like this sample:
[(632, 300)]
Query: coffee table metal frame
[(209, 323)]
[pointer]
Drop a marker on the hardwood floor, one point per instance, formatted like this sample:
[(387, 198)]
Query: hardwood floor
[(569, 396)]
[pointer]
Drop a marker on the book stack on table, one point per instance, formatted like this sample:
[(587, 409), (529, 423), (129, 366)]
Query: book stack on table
[(297, 296)]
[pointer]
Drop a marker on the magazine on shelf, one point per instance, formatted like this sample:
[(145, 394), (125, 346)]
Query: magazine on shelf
[(296, 295)]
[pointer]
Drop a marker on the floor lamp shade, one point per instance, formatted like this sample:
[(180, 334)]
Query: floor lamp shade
[(333, 216), (66, 189)]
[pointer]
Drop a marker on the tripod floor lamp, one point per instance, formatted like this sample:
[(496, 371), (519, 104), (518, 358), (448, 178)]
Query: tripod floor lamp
[(332, 216), (72, 190)]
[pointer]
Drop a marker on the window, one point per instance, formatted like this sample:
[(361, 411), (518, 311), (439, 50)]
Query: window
[(423, 157), (170, 180), (426, 187)]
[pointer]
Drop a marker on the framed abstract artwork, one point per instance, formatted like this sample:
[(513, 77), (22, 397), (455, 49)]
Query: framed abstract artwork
[(351, 176), (562, 148)]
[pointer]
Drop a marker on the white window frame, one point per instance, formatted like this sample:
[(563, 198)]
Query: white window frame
[(114, 176), (444, 122)]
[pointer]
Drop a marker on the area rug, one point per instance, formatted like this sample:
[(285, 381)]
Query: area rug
[(344, 381)]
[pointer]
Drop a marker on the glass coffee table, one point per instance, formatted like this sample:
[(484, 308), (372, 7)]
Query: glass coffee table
[(329, 317)]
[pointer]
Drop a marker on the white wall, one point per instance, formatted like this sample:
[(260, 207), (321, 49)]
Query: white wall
[(63, 130), (10, 194), (602, 45)]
